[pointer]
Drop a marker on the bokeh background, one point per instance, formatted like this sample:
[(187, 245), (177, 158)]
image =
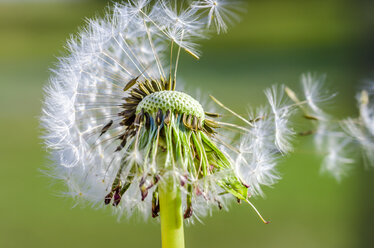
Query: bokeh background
[(275, 42)]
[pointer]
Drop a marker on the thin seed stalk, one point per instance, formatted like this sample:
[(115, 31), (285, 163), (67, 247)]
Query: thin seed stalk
[(172, 234)]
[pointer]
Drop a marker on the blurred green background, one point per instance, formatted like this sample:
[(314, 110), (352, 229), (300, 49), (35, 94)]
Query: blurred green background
[(275, 42)]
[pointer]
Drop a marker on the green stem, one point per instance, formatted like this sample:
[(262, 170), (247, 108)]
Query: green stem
[(172, 234)]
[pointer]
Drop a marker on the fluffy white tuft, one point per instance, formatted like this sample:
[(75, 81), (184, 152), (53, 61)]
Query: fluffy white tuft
[(257, 158), (220, 12), (315, 94), (282, 112), (361, 130), (336, 161)]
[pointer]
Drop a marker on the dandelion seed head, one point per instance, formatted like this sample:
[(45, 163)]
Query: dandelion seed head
[(114, 124), (118, 130)]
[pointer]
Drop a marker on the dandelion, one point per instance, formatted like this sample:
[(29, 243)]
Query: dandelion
[(121, 134)]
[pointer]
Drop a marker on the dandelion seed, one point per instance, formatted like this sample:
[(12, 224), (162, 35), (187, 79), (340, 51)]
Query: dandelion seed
[(361, 129), (282, 113), (315, 94), (330, 141), (366, 111), (219, 12), (257, 160), (337, 161)]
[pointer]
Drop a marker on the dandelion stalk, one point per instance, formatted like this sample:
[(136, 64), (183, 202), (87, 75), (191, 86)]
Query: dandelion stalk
[(172, 234)]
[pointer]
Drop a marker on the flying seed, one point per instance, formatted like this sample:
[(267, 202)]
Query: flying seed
[(291, 94), (364, 98)]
